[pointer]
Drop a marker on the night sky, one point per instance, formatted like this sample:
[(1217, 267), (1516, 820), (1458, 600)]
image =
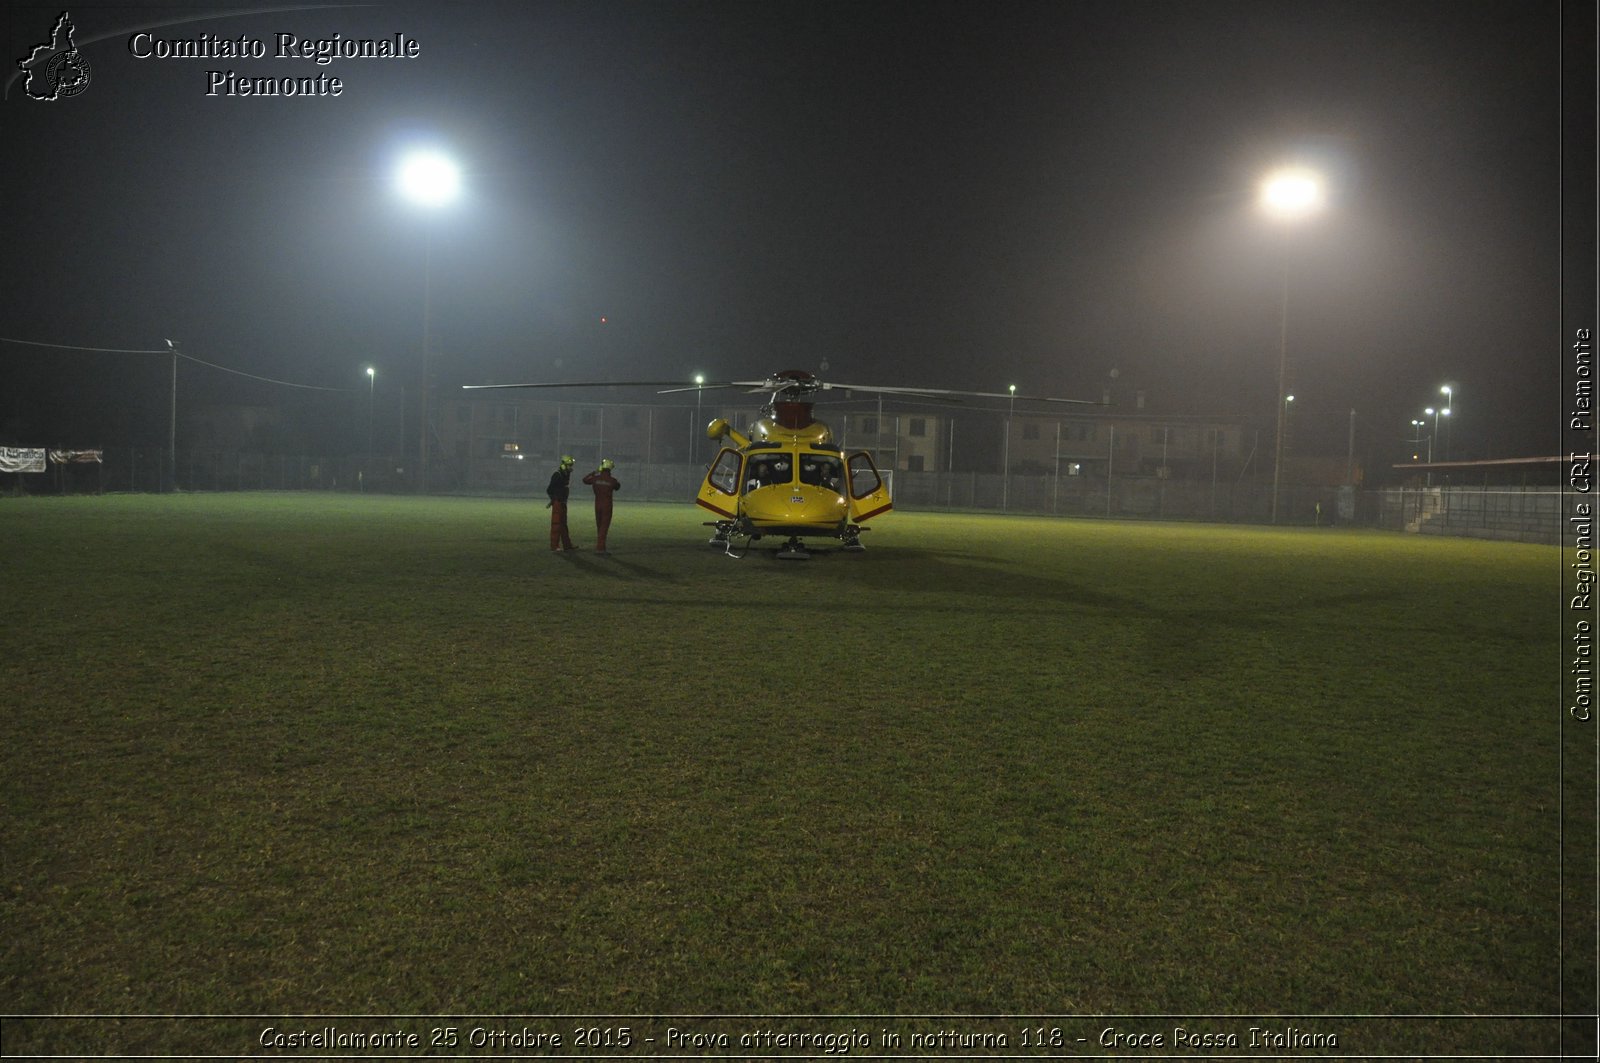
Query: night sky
[(951, 195)]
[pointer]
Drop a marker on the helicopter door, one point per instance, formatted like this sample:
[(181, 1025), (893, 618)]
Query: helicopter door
[(720, 491), (869, 495)]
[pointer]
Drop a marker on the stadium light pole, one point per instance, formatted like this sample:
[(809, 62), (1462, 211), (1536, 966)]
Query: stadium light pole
[(1287, 195), (1350, 456), (1449, 394), (699, 418), (1431, 412), (431, 180), (372, 393), (1005, 478)]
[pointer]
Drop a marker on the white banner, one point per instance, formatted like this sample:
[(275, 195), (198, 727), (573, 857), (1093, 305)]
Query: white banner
[(21, 459)]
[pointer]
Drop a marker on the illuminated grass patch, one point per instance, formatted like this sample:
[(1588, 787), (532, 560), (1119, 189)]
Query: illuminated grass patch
[(296, 753)]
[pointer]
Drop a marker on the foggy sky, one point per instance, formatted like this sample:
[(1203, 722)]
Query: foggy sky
[(940, 194)]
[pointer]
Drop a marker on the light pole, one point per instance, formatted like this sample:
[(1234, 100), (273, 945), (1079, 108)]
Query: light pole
[(172, 424), (1435, 414), (1005, 473), (428, 179), (699, 418), (1449, 403), (1350, 458), (1288, 195), (372, 390)]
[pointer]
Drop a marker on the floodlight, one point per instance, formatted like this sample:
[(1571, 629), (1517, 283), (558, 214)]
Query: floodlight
[(429, 178), (1291, 193)]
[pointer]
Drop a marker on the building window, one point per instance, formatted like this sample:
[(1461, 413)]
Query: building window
[(913, 463), (919, 427), (869, 425), (1030, 430)]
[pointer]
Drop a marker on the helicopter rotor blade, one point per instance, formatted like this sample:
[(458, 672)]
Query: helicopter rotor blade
[(942, 393), (781, 385), (581, 384), (699, 387)]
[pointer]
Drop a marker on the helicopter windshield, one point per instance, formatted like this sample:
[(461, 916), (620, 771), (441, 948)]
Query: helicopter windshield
[(768, 469), (822, 470)]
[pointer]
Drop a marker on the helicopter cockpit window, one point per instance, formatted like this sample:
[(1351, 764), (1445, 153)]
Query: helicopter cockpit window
[(768, 469), (822, 470)]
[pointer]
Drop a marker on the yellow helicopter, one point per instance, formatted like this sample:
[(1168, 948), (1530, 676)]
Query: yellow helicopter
[(788, 477)]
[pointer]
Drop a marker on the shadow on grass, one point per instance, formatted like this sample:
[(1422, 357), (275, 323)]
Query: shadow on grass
[(1194, 635)]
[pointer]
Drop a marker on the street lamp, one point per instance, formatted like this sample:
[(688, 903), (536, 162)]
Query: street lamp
[(1287, 195), (432, 180)]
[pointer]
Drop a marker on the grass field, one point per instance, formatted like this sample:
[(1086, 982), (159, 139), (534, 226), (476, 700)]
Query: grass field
[(293, 754)]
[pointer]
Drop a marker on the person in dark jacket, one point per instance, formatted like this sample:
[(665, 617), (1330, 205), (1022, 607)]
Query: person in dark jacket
[(560, 484), (605, 485)]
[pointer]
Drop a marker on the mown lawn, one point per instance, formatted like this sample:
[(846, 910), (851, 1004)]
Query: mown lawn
[(295, 754)]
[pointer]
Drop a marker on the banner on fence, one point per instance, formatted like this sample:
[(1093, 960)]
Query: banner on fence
[(76, 457), (21, 459)]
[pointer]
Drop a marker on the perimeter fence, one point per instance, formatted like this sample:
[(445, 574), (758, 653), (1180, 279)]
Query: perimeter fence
[(1526, 514)]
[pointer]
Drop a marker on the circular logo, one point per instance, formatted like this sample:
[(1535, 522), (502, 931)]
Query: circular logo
[(68, 74)]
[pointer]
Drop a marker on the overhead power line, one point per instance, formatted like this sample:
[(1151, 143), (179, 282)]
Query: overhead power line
[(177, 353), (73, 347)]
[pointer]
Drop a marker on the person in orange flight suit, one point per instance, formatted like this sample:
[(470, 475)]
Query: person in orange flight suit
[(560, 538), (605, 485)]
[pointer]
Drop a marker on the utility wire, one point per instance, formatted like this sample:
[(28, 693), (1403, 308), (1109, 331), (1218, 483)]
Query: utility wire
[(177, 353), (71, 347)]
